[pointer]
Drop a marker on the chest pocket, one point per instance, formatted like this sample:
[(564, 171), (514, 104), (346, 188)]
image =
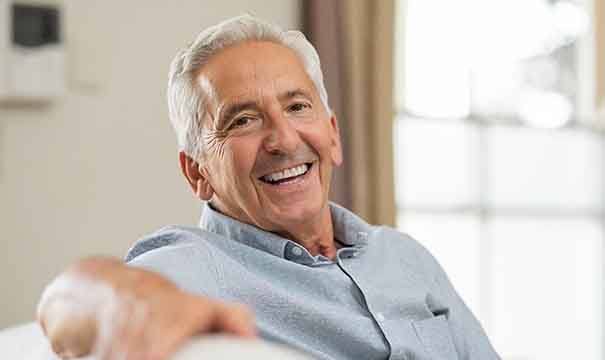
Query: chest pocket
[(435, 336)]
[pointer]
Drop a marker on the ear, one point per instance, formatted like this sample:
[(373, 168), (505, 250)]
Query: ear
[(196, 176), (336, 145)]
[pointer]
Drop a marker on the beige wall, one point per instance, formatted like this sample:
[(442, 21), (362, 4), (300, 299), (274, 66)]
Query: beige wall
[(96, 170)]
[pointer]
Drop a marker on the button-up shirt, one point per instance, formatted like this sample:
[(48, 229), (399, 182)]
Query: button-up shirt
[(383, 296)]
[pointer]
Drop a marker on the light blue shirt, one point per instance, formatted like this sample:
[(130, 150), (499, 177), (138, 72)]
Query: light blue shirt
[(383, 297)]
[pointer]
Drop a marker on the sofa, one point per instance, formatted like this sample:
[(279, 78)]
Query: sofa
[(27, 342)]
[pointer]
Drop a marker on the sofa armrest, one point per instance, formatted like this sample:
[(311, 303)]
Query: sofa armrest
[(27, 342)]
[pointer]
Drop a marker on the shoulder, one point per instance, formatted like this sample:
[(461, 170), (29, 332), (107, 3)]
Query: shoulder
[(405, 248), (184, 255), (166, 239), (397, 239)]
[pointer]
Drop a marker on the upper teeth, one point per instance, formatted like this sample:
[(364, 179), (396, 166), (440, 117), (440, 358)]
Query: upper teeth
[(287, 173)]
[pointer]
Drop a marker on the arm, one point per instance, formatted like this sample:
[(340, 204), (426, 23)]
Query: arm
[(102, 306), (469, 337)]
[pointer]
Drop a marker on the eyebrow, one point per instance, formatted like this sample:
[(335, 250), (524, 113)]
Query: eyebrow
[(235, 108), (287, 95)]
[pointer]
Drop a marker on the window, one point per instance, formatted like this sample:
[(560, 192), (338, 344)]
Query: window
[(499, 165)]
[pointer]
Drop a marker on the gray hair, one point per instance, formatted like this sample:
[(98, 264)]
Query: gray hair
[(186, 98)]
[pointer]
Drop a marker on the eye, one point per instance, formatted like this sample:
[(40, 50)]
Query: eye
[(298, 107), (241, 122)]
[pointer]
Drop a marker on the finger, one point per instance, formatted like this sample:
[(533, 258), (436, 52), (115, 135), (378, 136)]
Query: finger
[(202, 316), (235, 319), (163, 346), (108, 326), (117, 332), (113, 337), (131, 344), (170, 328), (136, 344)]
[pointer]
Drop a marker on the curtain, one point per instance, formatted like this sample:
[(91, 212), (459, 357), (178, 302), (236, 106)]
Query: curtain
[(355, 41), (599, 23), (322, 26)]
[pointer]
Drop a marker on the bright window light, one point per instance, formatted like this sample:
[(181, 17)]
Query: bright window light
[(495, 173), (466, 57), (544, 109)]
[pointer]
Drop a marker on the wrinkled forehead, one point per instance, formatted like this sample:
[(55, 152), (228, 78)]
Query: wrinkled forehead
[(252, 71)]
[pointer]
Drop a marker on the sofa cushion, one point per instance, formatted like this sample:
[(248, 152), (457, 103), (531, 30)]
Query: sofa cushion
[(27, 342)]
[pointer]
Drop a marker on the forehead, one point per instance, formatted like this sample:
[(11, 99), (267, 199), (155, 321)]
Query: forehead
[(254, 68)]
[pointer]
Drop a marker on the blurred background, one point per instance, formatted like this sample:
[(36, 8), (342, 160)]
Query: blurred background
[(475, 126)]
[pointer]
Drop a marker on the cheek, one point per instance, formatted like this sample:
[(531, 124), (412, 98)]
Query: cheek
[(319, 138), (240, 155)]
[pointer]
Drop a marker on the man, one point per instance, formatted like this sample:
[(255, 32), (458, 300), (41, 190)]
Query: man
[(258, 142)]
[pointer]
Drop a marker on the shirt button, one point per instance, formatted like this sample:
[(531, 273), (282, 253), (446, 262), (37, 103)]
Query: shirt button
[(379, 317), (296, 251)]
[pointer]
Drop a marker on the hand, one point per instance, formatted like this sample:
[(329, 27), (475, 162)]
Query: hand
[(113, 311)]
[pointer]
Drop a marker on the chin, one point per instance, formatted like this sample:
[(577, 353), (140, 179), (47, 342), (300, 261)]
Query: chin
[(298, 212)]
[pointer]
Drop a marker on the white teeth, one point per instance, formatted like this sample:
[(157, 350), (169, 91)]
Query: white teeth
[(287, 173)]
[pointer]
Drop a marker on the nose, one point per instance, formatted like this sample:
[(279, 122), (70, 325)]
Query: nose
[(282, 136)]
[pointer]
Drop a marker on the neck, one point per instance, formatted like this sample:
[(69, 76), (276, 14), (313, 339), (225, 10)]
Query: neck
[(315, 235)]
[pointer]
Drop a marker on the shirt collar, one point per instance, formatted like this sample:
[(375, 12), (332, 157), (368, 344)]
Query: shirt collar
[(349, 229)]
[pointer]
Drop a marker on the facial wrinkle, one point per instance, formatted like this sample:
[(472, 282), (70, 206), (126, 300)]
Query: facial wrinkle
[(215, 141), (267, 162), (217, 135), (215, 138)]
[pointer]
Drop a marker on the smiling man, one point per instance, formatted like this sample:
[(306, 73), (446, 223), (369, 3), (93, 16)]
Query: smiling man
[(258, 143), (271, 144)]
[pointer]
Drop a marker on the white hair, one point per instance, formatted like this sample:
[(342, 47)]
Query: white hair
[(186, 98)]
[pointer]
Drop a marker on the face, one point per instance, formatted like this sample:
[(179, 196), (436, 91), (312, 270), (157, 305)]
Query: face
[(270, 145)]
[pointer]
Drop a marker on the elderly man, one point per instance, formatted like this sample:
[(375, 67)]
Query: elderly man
[(258, 143)]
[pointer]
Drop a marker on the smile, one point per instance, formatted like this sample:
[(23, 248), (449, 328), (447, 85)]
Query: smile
[(286, 175)]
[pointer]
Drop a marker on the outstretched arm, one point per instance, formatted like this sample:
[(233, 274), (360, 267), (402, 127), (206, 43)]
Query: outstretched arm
[(102, 306)]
